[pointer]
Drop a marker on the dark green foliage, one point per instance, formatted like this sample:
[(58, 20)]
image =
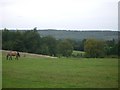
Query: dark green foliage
[(118, 45), (112, 47), (44, 49), (65, 48), (94, 48), (30, 41), (79, 45), (10, 39), (0, 40), (49, 45)]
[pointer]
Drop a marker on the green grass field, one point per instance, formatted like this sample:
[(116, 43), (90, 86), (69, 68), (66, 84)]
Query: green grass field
[(78, 53), (40, 72)]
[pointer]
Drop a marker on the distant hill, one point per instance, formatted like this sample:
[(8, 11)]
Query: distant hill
[(80, 35)]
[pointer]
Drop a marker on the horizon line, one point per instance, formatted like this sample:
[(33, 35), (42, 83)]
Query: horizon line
[(60, 29)]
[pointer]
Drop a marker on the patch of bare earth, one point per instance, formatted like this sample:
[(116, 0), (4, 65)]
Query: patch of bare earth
[(31, 54)]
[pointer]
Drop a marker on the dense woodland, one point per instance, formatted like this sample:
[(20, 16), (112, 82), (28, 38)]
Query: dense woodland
[(31, 41)]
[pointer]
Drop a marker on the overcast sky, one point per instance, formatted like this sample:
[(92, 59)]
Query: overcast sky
[(59, 14)]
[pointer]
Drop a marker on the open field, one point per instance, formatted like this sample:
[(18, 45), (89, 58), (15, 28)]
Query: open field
[(42, 72), (76, 53)]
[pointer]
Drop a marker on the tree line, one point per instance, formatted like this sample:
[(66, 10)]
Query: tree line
[(30, 41)]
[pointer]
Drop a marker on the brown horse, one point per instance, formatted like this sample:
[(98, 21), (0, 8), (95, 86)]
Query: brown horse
[(12, 53)]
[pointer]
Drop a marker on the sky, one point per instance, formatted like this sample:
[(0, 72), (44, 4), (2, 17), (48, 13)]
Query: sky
[(59, 14)]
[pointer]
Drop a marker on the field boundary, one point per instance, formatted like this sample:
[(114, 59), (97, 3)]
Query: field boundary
[(24, 54)]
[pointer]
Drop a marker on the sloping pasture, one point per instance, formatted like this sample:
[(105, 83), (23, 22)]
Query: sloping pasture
[(43, 72)]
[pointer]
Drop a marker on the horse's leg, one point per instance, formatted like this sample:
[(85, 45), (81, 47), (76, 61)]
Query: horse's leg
[(10, 57), (7, 57), (17, 57)]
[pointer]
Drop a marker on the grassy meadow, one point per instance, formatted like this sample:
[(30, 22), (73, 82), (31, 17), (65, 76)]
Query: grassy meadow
[(42, 72)]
